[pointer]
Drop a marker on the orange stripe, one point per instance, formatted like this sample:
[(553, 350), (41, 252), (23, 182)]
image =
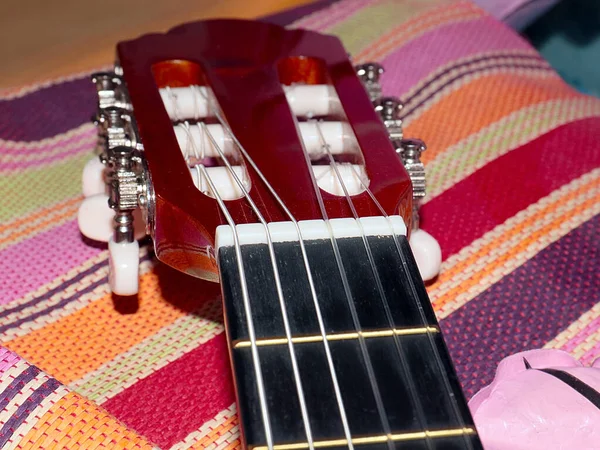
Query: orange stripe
[(476, 278), (75, 422), (390, 41), (84, 340), (41, 225), (41, 213), (478, 104)]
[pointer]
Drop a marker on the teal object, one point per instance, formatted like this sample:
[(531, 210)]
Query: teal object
[(568, 36)]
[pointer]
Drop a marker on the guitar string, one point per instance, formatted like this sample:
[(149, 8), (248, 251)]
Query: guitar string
[(174, 105), (348, 293), (448, 388), (229, 131), (288, 333), (307, 268), (247, 307), (245, 300), (385, 303)]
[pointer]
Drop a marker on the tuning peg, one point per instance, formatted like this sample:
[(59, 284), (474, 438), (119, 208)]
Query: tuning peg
[(111, 90), (369, 73), (124, 267), (92, 179), (96, 219), (427, 253), (389, 109)]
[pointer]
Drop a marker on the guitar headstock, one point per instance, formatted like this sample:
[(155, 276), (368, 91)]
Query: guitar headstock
[(223, 110)]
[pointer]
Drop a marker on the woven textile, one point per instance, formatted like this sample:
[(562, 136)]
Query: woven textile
[(514, 199)]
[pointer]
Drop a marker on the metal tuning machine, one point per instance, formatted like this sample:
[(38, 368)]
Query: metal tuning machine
[(425, 247), (117, 208)]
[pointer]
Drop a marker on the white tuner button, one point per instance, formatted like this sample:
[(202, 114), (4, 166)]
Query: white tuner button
[(92, 180), (124, 267), (96, 219), (427, 252)]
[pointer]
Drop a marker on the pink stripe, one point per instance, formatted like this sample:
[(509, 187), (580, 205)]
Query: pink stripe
[(30, 264), (584, 334), (591, 355), (331, 16), (83, 147), (443, 45), (7, 359), (87, 135)]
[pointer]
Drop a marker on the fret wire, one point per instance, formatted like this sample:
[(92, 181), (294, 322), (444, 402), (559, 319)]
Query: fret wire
[(453, 400), (332, 371), (261, 342), (411, 388), (394, 437), (247, 307), (348, 292), (279, 289)]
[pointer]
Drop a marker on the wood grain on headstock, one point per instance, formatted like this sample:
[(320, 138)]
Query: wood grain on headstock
[(241, 61)]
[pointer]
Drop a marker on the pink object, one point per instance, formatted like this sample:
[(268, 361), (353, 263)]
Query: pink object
[(540, 399)]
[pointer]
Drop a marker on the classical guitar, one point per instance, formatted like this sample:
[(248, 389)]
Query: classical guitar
[(260, 158)]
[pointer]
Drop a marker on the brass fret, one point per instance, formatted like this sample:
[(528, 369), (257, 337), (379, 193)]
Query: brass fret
[(451, 432), (339, 336)]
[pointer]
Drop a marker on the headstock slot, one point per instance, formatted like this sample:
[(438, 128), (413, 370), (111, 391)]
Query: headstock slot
[(323, 125), (192, 107), (247, 65)]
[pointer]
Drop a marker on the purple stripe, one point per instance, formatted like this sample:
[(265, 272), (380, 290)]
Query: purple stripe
[(78, 136), (59, 305), (61, 157), (47, 112), (408, 111), (28, 406), (463, 63), (442, 46), (17, 385), (29, 264), (63, 106), (65, 301), (291, 15), (527, 308), (61, 287)]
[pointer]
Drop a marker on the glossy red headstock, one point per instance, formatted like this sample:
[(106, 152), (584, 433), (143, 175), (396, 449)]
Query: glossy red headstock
[(245, 63)]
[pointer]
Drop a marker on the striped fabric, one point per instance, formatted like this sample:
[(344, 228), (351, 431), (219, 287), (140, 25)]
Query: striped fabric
[(514, 199)]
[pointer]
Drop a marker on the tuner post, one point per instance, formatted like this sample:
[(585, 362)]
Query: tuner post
[(125, 188), (369, 73), (389, 109), (426, 250)]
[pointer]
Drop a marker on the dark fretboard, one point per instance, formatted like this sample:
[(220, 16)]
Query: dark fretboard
[(412, 400)]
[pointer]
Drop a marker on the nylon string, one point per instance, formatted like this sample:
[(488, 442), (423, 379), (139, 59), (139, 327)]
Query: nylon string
[(318, 312), (413, 289), (349, 297), (398, 345), (288, 333)]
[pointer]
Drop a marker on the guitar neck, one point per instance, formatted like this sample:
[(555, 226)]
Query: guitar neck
[(367, 362)]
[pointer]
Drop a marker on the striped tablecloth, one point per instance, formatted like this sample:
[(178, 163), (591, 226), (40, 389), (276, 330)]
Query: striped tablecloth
[(514, 178)]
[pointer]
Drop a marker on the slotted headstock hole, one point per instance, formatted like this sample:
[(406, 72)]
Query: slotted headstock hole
[(336, 158), (200, 129), (178, 73), (303, 70)]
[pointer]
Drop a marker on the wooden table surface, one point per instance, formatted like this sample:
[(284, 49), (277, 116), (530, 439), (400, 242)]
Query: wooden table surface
[(40, 40)]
